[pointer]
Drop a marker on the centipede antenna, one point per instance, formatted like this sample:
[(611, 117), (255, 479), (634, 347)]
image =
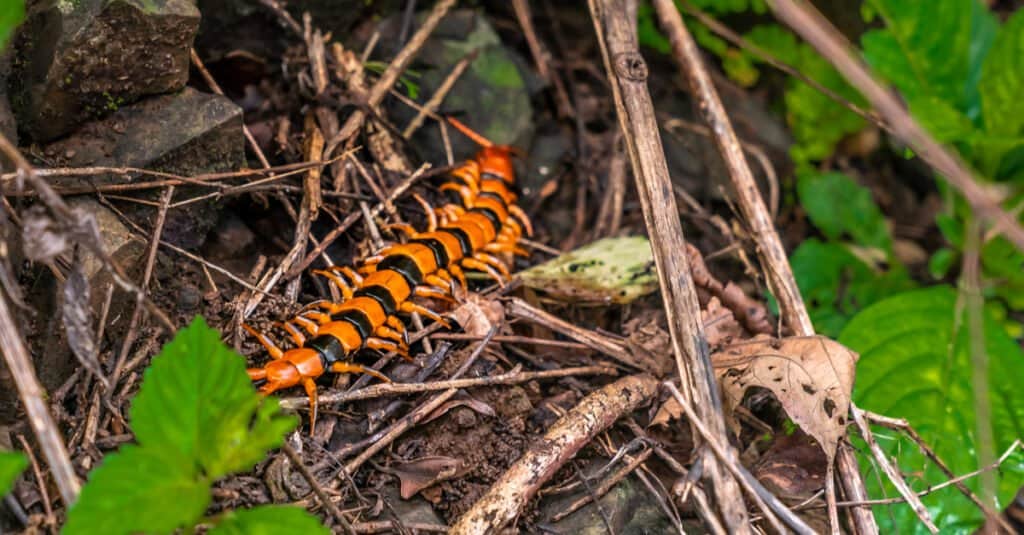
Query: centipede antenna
[(477, 138)]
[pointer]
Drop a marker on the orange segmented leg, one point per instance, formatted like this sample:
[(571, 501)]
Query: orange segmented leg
[(459, 275), (338, 281), (347, 367), (409, 307), (313, 315), (388, 333), (381, 344), (311, 327), (294, 333), (428, 210), (473, 263), (310, 385), (397, 325), (433, 293), (265, 341), (347, 271), (519, 214), (469, 174), (495, 263), (505, 247), (319, 304), (464, 192), (404, 228)]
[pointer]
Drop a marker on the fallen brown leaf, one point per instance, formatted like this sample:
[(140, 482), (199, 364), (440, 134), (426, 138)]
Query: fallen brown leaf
[(811, 376), (478, 315), (424, 472)]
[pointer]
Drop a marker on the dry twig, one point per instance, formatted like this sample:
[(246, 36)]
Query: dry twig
[(615, 25), (507, 497)]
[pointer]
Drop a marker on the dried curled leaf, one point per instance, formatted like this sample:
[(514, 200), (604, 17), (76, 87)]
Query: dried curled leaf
[(44, 239), (77, 323), (478, 315), (612, 270), (811, 376), (424, 472)]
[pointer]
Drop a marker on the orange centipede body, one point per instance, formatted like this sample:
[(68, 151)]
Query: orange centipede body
[(379, 291)]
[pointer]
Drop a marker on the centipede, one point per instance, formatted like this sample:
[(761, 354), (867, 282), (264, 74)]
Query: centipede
[(480, 222)]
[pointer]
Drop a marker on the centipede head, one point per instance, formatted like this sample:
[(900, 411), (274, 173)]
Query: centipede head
[(277, 375)]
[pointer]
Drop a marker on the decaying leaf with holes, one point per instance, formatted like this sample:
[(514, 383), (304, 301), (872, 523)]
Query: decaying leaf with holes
[(811, 376), (612, 270)]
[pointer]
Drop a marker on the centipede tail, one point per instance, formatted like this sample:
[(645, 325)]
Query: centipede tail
[(482, 222)]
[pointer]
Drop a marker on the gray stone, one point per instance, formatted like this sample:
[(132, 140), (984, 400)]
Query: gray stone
[(187, 133), (492, 96), (628, 506), (82, 59)]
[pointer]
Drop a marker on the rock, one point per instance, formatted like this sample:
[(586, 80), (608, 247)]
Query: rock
[(492, 96), (81, 59), (186, 133), (628, 505)]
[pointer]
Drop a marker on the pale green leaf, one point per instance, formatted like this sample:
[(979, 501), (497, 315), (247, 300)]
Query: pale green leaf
[(618, 270), (137, 490), (915, 364), (269, 520)]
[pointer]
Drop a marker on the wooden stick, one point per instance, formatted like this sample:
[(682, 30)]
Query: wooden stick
[(615, 24), (514, 489), (397, 389)]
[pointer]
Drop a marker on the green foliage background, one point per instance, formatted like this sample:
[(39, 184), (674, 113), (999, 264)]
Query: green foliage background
[(961, 73)]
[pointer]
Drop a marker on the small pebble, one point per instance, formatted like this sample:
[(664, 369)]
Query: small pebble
[(188, 298)]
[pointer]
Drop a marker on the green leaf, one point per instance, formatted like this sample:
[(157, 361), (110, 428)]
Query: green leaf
[(196, 403), (269, 520), (940, 262), (137, 490), (12, 12), (817, 121), (12, 464), (836, 284), (915, 363), (838, 206), (925, 47), (615, 270), (1002, 80)]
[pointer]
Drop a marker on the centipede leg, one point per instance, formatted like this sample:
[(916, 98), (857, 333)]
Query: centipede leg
[(294, 333), (495, 263), (387, 333), (265, 341), (459, 275), (338, 281), (464, 192), (473, 263), (519, 214), (404, 228), (429, 211), (409, 307), (381, 344), (397, 325), (347, 367), (310, 385), (432, 293)]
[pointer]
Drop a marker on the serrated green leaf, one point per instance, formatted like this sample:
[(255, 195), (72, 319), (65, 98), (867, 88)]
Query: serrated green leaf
[(11, 14), (196, 402), (139, 491), (838, 206), (12, 464), (915, 363), (269, 520), (925, 47), (1002, 80)]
